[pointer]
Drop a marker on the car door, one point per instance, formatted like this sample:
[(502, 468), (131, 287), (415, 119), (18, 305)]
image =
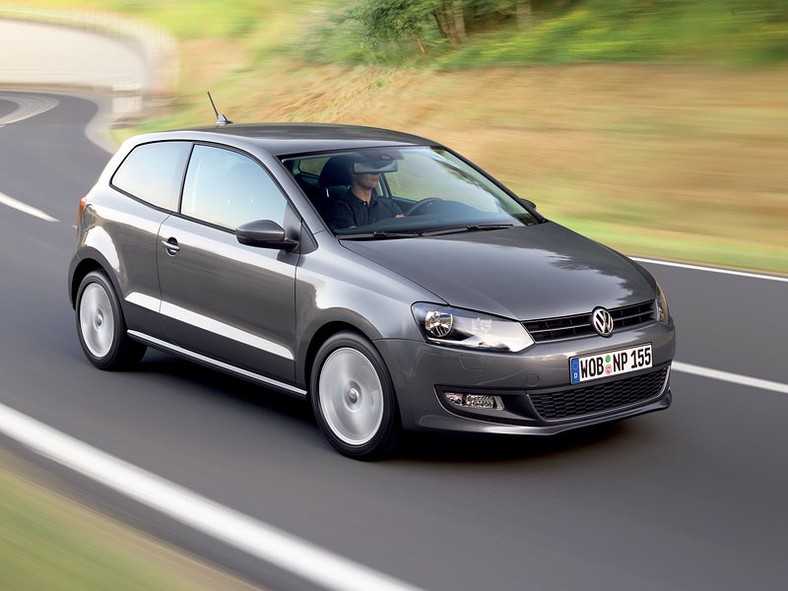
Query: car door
[(221, 299), (151, 173)]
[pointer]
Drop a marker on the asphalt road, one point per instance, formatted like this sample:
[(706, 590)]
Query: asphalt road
[(689, 499)]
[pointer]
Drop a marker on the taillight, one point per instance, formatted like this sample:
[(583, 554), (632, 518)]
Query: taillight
[(82, 205)]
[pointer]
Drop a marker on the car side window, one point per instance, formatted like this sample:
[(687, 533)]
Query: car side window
[(153, 173), (228, 189)]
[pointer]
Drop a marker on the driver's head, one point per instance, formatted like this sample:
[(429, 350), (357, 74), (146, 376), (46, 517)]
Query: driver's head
[(365, 180)]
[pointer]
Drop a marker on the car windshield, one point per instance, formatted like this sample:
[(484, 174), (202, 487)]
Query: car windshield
[(402, 192)]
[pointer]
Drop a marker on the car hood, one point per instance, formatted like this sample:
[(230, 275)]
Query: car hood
[(524, 273)]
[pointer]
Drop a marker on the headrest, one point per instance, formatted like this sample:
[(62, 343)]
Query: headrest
[(336, 171)]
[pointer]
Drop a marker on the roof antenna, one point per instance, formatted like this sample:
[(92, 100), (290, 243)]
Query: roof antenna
[(221, 120)]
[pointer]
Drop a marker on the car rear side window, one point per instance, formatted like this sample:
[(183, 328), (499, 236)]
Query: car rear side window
[(153, 173), (228, 189)]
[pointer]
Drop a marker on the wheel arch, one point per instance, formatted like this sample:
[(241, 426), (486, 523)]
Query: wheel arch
[(80, 269), (320, 336)]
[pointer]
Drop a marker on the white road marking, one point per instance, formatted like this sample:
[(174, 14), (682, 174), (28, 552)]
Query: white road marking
[(733, 378), (24, 208), (747, 274), (250, 535), (27, 106)]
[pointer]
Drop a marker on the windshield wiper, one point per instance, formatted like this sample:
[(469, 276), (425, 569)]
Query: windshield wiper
[(386, 235), (378, 235), (466, 228)]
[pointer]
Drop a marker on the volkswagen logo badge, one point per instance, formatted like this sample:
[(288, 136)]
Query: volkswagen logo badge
[(602, 321)]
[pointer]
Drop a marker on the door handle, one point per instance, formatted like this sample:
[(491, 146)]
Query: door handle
[(171, 246)]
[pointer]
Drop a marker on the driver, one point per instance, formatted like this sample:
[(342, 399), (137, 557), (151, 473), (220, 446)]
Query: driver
[(360, 205)]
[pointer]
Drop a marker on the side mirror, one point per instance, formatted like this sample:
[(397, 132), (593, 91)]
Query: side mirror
[(264, 234)]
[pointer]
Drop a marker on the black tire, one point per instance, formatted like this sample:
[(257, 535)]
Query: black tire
[(353, 398), (101, 326)]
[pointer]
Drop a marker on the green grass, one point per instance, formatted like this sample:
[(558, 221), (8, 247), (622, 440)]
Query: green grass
[(652, 229), (702, 31), (48, 543), (668, 245)]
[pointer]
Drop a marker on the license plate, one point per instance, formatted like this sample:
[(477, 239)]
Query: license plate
[(613, 363)]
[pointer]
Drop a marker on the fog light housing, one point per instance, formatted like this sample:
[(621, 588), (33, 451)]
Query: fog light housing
[(476, 401)]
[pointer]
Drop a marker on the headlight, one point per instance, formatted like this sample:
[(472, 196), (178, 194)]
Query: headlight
[(466, 328), (663, 315)]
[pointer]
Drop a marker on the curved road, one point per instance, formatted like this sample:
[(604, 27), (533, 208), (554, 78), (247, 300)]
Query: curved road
[(688, 499)]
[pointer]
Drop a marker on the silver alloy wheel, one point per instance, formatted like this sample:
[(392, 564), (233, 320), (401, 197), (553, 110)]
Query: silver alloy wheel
[(96, 320), (351, 396)]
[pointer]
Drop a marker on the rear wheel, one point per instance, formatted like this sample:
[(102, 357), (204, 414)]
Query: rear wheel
[(101, 326), (353, 398)]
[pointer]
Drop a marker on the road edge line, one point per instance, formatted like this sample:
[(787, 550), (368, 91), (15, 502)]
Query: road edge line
[(25, 208), (733, 378), (304, 559), (692, 267)]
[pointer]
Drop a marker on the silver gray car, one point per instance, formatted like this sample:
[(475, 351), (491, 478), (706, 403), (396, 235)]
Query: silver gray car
[(379, 275)]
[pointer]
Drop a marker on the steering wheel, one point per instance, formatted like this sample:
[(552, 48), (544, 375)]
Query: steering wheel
[(422, 205)]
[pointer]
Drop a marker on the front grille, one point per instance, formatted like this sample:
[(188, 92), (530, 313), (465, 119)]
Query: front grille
[(598, 398), (566, 327)]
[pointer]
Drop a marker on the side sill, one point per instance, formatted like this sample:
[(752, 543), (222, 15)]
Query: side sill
[(213, 363)]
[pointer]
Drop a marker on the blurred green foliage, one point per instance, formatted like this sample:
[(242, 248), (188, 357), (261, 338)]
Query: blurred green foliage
[(49, 543), (734, 32), (499, 32)]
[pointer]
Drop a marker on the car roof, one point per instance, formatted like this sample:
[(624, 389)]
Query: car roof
[(281, 139)]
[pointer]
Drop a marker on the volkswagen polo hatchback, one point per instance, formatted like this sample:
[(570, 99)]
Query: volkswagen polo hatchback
[(379, 275)]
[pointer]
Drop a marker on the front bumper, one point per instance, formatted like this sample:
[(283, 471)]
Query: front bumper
[(533, 386)]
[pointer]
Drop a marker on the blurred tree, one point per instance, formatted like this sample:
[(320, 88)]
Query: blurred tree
[(486, 15), (400, 19), (394, 19), (451, 21)]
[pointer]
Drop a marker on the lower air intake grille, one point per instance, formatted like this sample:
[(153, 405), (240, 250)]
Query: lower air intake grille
[(588, 400)]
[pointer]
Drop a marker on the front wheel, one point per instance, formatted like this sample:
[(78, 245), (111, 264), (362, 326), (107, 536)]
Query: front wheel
[(101, 326), (353, 398)]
